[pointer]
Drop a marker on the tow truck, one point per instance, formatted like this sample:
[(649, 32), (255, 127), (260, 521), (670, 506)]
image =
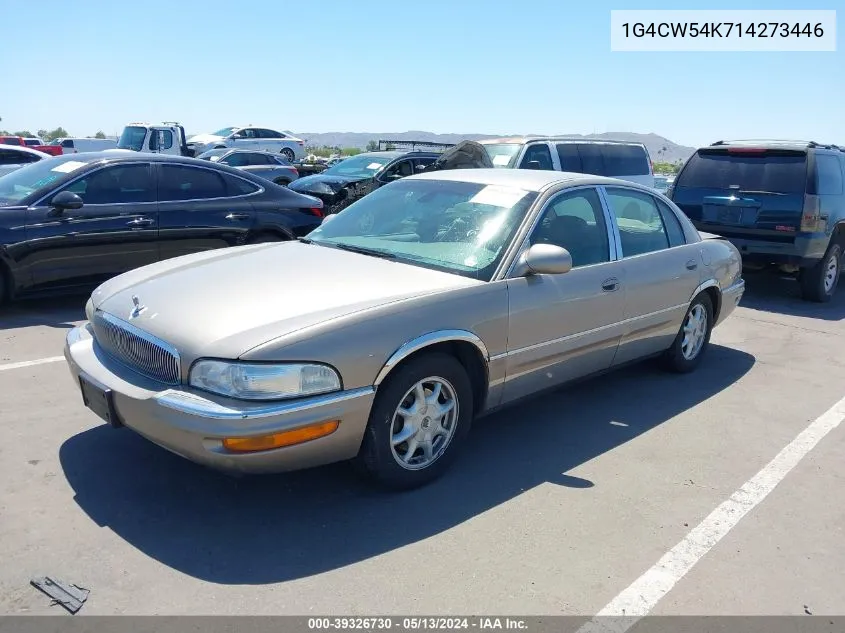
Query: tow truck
[(167, 137)]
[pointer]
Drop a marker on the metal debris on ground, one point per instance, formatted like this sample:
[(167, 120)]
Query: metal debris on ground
[(71, 597)]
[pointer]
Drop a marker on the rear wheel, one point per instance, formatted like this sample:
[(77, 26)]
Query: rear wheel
[(284, 182), (819, 282), (693, 339), (419, 419), (288, 153)]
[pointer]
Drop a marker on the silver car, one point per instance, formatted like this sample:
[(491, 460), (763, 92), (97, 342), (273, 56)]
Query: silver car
[(273, 167), (452, 293), (13, 157)]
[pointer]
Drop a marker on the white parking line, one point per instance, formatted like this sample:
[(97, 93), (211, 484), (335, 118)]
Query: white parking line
[(30, 363), (646, 591)]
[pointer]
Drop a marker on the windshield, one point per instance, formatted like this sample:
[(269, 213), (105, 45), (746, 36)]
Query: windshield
[(777, 171), (132, 138), (214, 154), (22, 182), (503, 154), (226, 131), (362, 166), (457, 227)]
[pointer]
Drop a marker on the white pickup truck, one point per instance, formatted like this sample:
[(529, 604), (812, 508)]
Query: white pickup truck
[(164, 138)]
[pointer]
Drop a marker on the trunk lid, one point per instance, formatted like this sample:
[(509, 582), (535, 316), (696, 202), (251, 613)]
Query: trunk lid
[(744, 191)]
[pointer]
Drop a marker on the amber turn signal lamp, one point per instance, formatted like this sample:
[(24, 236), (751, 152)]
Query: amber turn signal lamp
[(279, 440)]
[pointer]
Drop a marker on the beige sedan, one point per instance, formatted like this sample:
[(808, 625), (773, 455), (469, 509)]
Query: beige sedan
[(381, 336)]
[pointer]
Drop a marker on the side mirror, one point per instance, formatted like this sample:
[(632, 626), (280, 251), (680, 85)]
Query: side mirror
[(66, 200), (533, 164), (161, 139), (543, 259)]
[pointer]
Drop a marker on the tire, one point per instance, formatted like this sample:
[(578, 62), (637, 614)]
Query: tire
[(390, 465), (288, 153), (819, 282), (685, 355), (264, 238), (282, 181)]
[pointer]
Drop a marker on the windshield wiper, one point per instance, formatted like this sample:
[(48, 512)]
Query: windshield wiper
[(770, 193), (365, 251), (305, 240)]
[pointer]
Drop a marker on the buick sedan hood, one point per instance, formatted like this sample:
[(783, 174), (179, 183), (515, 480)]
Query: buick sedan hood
[(225, 302)]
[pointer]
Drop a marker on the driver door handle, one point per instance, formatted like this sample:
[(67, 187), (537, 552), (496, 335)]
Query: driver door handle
[(692, 264), (610, 285), (237, 216)]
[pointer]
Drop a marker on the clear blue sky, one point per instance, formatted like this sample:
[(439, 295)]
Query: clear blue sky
[(464, 66)]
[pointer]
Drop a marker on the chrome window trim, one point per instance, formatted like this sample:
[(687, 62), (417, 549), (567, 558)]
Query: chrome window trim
[(195, 404), (141, 161)]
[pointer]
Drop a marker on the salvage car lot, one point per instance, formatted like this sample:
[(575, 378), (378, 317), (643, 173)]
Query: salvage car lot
[(556, 506)]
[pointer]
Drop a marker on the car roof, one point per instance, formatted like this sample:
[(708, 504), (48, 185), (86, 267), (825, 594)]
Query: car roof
[(536, 180), (773, 144), (568, 139)]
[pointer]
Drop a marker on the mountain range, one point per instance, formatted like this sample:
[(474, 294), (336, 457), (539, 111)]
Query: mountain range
[(660, 148)]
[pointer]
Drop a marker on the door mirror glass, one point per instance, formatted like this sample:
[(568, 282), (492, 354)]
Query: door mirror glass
[(66, 200), (544, 259)]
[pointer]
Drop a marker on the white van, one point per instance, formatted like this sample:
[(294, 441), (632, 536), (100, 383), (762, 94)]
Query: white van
[(77, 145), (615, 159)]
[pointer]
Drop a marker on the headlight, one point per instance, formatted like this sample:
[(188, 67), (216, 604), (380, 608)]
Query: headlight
[(89, 310), (251, 381)]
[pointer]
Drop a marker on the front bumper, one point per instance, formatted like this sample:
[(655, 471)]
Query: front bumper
[(192, 423)]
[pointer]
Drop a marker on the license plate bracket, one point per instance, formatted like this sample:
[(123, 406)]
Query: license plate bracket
[(100, 399)]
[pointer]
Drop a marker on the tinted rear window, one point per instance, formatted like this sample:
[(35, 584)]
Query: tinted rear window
[(777, 171), (603, 159)]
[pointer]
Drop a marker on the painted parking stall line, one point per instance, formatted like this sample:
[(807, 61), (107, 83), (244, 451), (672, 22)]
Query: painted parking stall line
[(638, 599), (30, 363)]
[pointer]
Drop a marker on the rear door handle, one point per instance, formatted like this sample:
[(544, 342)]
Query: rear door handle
[(610, 285), (140, 222), (237, 216), (692, 264)]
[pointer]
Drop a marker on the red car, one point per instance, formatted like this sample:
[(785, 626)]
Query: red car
[(32, 143)]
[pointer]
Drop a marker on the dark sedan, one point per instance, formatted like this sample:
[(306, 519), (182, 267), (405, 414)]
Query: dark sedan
[(75, 220), (347, 181)]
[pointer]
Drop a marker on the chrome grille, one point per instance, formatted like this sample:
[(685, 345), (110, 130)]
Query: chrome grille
[(136, 349)]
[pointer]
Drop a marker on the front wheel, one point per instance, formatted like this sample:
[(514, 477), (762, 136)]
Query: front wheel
[(693, 339), (288, 153), (420, 417), (819, 282)]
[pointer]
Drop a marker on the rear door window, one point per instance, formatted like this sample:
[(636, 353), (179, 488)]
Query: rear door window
[(624, 160), (673, 226), (570, 158), (180, 182), (775, 171), (828, 175)]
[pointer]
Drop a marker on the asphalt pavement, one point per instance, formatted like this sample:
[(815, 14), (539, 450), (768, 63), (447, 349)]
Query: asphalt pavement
[(566, 504)]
